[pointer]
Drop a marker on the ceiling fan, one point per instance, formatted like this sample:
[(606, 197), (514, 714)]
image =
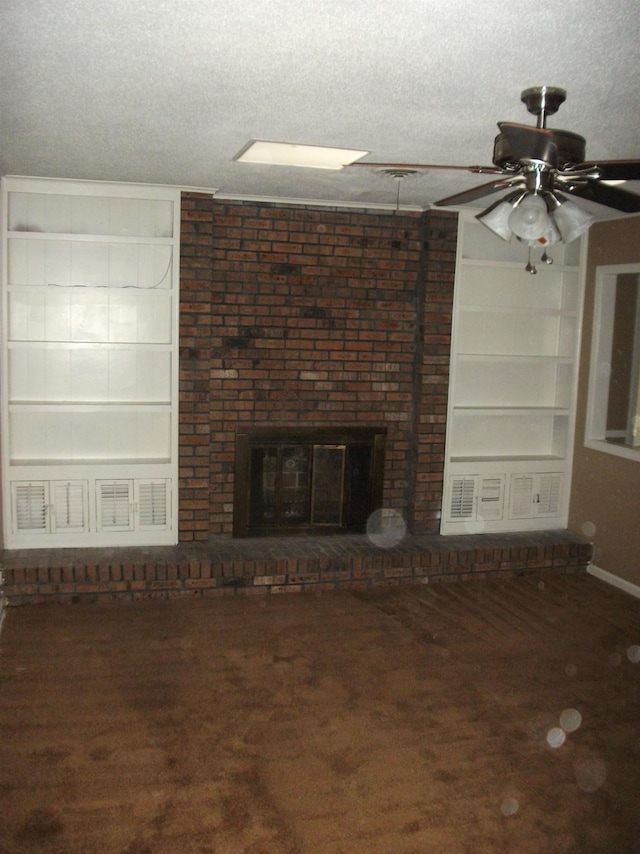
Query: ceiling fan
[(539, 165)]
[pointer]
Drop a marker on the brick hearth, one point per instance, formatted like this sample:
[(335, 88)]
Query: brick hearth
[(260, 566)]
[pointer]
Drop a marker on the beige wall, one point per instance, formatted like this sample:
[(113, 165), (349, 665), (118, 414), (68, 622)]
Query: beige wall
[(605, 491)]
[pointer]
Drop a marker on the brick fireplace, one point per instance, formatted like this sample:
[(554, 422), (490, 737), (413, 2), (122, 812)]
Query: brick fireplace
[(312, 317), (309, 320)]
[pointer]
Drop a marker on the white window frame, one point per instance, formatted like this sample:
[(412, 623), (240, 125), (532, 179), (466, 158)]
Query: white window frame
[(600, 362)]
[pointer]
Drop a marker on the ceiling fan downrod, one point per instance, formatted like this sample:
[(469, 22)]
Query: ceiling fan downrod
[(399, 173)]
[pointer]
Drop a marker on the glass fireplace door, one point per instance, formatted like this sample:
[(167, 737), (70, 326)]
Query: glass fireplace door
[(327, 486), (316, 480), (280, 478), (294, 485)]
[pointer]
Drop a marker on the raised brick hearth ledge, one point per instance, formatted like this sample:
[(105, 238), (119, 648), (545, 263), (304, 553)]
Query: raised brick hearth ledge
[(226, 566)]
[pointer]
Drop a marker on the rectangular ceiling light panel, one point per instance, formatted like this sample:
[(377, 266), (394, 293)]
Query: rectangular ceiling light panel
[(293, 154)]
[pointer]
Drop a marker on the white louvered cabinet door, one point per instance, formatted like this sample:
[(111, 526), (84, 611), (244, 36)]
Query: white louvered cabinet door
[(50, 507), (30, 507), (475, 497), (535, 495), (462, 493), (114, 505), (152, 504), (69, 509), (133, 505)]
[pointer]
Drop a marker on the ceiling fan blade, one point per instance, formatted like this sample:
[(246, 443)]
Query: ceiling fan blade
[(603, 194), (425, 167), (529, 143), (614, 170), (477, 192)]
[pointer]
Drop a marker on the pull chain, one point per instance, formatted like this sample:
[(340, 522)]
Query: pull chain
[(530, 268)]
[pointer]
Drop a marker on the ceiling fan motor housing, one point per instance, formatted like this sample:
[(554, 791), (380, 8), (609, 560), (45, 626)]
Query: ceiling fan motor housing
[(571, 151)]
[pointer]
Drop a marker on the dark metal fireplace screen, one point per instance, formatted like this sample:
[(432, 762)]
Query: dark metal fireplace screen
[(307, 480)]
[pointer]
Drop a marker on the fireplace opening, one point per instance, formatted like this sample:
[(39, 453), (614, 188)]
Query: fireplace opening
[(307, 480)]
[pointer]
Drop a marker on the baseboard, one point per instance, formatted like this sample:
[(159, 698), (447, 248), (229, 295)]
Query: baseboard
[(614, 580)]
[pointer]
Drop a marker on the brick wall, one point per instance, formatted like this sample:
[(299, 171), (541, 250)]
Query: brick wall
[(312, 316)]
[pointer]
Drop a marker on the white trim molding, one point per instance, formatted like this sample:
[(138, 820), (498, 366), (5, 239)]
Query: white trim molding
[(614, 580), (321, 203), (596, 434)]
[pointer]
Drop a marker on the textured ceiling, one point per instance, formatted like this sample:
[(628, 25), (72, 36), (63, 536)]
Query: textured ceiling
[(168, 91)]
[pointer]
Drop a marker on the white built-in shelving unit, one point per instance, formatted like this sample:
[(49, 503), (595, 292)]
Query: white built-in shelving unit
[(511, 411), (89, 363)]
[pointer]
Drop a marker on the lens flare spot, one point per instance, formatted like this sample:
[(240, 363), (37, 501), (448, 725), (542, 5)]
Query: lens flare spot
[(571, 670), (590, 773), (556, 737), (570, 720), (588, 529), (633, 653), (510, 806), (386, 528)]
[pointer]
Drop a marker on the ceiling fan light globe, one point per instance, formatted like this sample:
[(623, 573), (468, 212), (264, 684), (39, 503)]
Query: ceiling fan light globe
[(529, 218), (496, 219), (571, 221), (549, 238)]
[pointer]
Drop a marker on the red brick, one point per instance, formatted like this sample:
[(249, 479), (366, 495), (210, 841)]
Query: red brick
[(282, 271)]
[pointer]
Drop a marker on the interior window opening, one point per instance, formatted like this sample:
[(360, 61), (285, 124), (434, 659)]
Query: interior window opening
[(614, 379)]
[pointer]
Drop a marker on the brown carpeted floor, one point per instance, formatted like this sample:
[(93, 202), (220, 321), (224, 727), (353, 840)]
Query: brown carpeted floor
[(489, 716)]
